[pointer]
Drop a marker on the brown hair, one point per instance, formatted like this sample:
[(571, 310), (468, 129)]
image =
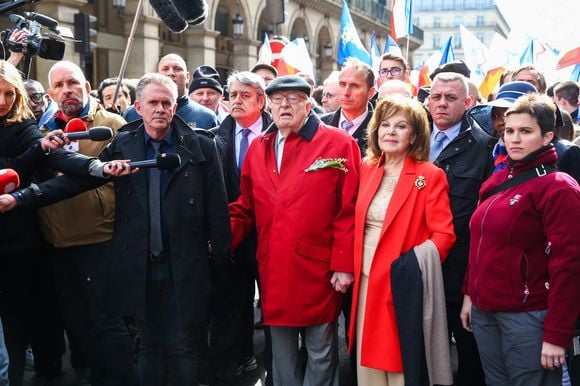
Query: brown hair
[(396, 58), (540, 107), (417, 116)]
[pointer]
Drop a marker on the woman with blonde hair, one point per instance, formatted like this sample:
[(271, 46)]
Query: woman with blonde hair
[(403, 231)]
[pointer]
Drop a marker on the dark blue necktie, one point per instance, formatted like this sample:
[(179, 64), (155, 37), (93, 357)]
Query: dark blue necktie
[(155, 234), (244, 143)]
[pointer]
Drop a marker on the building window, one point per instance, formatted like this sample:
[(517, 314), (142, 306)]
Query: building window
[(457, 41), (222, 21), (479, 21), (436, 22), (448, 4), (480, 36), (458, 21), (436, 40)]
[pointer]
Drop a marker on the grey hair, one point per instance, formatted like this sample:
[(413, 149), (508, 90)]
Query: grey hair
[(158, 79), (447, 77), (251, 79)]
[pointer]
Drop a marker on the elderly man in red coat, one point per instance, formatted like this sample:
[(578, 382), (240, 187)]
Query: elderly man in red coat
[(298, 187)]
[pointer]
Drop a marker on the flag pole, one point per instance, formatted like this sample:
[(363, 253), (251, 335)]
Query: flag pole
[(407, 50)]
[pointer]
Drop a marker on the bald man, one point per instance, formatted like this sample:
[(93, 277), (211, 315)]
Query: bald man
[(194, 114)]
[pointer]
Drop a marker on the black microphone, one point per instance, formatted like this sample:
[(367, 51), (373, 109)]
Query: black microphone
[(162, 162), (193, 11), (46, 21), (168, 13), (99, 133)]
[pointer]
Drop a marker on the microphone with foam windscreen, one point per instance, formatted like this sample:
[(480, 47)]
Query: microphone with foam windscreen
[(180, 14), (75, 125), (9, 180), (168, 13), (162, 162)]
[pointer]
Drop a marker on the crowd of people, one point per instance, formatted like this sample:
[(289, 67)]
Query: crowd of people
[(429, 221)]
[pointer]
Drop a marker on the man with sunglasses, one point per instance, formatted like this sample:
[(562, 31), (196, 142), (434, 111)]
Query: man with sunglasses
[(42, 106), (298, 188)]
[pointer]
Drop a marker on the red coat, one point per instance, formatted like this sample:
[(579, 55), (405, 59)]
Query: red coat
[(413, 216), (305, 221)]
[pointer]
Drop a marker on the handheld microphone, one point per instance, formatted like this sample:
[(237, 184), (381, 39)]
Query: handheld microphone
[(98, 134), (75, 125), (9, 180), (162, 162), (168, 13)]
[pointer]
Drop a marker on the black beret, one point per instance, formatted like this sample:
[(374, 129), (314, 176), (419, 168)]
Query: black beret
[(457, 66), (206, 77), (288, 83)]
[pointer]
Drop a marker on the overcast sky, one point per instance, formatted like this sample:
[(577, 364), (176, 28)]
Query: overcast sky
[(554, 21)]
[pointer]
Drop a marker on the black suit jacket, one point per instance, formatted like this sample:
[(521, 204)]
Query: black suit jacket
[(195, 210), (360, 134), (225, 135), (467, 161)]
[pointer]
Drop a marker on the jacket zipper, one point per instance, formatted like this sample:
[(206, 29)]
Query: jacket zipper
[(526, 289), (481, 232)]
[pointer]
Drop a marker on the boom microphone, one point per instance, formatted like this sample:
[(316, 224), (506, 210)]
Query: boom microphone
[(162, 162), (9, 180), (168, 13), (193, 11)]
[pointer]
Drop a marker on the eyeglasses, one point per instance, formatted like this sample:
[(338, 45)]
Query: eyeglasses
[(36, 97), (327, 95), (394, 71), (292, 98)]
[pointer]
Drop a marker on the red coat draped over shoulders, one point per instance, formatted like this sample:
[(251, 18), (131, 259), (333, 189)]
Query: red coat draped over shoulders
[(414, 215)]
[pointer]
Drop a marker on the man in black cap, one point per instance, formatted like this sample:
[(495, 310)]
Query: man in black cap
[(298, 188), (457, 66), (206, 89)]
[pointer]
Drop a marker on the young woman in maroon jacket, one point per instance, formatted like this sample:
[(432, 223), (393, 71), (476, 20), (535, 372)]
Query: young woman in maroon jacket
[(523, 278)]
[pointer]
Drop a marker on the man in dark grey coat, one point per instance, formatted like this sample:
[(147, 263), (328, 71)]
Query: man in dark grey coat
[(169, 227), (463, 151)]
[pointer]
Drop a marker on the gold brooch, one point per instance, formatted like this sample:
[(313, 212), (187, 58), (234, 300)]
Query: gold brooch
[(420, 182)]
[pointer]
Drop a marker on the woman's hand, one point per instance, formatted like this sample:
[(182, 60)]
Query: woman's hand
[(465, 314), (552, 356), (341, 281), (53, 140)]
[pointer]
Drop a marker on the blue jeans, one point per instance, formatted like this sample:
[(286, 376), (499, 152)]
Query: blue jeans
[(3, 359), (166, 348)]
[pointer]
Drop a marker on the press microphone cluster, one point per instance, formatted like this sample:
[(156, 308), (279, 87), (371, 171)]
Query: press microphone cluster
[(9, 181), (163, 161), (76, 129)]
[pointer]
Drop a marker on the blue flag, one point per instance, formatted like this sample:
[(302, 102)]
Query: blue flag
[(575, 77), (528, 56), (349, 44), (447, 54), (392, 47)]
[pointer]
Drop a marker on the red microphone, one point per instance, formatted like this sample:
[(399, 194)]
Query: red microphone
[(9, 181), (75, 125)]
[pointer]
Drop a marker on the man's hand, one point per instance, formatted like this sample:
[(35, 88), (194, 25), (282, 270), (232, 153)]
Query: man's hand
[(7, 203), (552, 356), (118, 168), (17, 36), (53, 140), (465, 314), (341, 281)]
